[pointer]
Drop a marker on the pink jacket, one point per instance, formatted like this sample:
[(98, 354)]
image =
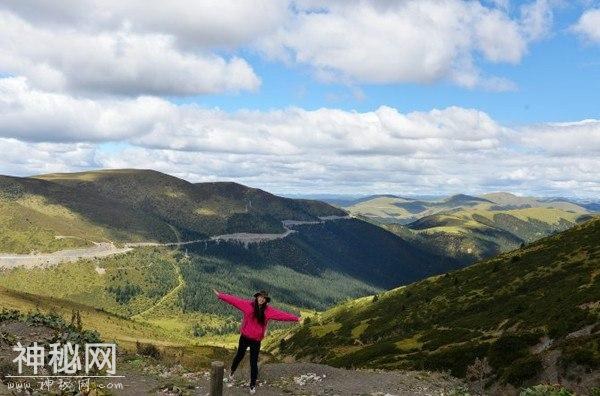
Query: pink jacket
[(251, 327)]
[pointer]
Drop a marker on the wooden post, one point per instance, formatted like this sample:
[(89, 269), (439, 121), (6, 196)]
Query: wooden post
[(216, 378)]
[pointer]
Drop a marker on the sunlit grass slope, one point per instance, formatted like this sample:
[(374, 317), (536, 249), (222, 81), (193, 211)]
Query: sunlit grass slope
[(498, 308)]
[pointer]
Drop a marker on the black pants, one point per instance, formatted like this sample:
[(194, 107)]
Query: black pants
[(254, 345)]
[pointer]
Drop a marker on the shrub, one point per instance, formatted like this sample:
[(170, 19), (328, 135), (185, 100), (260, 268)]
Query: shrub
[(436, 338), (455, 358), (123, 294), (504, 351), (478, 372), (570, 320), (510, 347), (149, 350), (522, 370), (6, 368), (11, 314), (584, 354), (198, 330)]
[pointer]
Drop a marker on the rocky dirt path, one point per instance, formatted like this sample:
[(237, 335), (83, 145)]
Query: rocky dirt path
[(301, 379), (318, 379)]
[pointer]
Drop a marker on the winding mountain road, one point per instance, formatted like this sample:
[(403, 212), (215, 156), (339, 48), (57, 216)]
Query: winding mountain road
[(104, 249)]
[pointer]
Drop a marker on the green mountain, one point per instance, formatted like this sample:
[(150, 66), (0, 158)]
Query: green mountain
[(136, 205), (533, 313)]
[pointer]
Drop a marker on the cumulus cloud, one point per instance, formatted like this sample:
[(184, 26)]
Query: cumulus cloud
[(297, 150), (192, 23), (30, 114), (34, 115), (115, 61), (588, 26), (21, 158), (142, 47), (410, 41), (536, 19), (297, 131), (564, 139)]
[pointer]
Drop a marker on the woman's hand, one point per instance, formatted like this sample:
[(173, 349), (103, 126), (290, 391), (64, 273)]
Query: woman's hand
[(216, 292)]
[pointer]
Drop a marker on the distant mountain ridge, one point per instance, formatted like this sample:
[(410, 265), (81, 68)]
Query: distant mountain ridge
[(382, 207), (467, 227)]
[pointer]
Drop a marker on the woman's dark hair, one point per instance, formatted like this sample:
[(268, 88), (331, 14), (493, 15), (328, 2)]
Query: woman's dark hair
[(259, 311)]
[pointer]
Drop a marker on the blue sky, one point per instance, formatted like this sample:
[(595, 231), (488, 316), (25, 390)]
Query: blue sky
[(301, 96)]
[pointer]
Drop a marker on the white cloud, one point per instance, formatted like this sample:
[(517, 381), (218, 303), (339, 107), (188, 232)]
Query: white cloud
[(22, 158), (115, 61), (536, 19), (291, 150), (564, 139), (410, 41), (34, 115), (144, 47), (30, 114), (296, 131), (192, 23), (588, 26)]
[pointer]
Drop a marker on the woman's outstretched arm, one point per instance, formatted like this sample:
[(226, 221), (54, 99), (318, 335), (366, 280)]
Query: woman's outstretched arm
[(237, 302), (276, 314)]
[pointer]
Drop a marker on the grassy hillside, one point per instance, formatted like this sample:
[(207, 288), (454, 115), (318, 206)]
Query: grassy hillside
[(511, 200), (57, 211), (517, 310), (465, 243), (110, 326), (125, 284)]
